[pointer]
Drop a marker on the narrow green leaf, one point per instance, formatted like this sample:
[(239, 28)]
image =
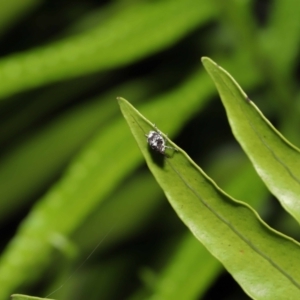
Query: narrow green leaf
[(282, 29), (57, 141), (131, 34), (243, 182), (189, 274), (26, 297), (275, 159), (192, 269), (124, 211), (263, 261)]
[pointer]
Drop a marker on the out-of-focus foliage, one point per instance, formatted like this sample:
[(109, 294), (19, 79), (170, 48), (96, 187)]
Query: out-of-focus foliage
[(71, 175)]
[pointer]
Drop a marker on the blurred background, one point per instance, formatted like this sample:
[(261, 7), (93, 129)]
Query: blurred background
[(72, 180)]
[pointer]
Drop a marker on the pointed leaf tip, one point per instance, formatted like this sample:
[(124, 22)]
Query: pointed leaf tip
[(275, 159), (249, 247), (205, 58)]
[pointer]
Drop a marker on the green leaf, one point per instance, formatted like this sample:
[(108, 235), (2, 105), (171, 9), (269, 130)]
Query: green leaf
[(125, 210), (131, 34), (25, 297), (282, 24), (189, 274), (263, 261), (57, 141), (275, 159)]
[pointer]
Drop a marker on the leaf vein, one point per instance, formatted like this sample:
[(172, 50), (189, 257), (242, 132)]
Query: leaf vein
[(240, 235)]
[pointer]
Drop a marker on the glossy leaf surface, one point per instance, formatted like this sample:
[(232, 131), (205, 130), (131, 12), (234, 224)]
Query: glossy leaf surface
[(263, 261)]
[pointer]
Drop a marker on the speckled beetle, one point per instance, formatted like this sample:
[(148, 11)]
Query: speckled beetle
[(157, 142)]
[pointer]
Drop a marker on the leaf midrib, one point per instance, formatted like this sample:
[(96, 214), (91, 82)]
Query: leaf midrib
[(222, 219), (264, 142)]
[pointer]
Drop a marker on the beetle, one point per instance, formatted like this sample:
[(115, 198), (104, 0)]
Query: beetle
[(157, 142)]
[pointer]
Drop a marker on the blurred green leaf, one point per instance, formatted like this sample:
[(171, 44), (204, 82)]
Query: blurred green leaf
[(282, 23), (36, 161), (231, 230), (11, 11), (282, 32), (189, 273), (274, 158), (128, 36), (124, 211)]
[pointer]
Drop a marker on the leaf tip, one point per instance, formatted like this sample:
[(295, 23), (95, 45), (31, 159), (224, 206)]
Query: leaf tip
[(207, 61), (120, 99), (204, 58)]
